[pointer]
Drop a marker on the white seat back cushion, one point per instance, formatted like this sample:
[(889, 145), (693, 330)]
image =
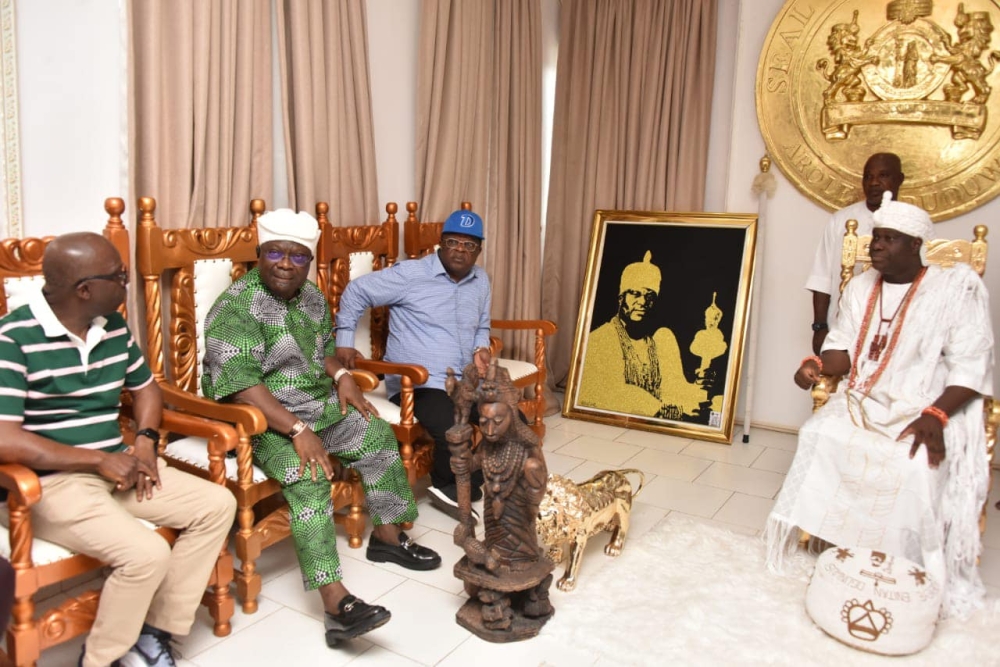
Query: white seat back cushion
[(517, 369), (212, 277), (361, 265), (387, 410), (20, 290)]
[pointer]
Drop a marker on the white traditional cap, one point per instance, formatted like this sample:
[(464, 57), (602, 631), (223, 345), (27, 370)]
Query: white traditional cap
[(640, 276), (284, 224), (906, 218)]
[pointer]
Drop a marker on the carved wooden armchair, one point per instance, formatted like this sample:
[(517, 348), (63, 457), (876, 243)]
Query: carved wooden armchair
[(422, 238), (195, 266), (39, 563), (943, 252), (345, 253)]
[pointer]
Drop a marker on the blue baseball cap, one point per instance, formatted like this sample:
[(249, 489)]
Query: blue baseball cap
[(464, 222)]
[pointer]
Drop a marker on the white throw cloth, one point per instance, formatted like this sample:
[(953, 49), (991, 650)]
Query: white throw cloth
[(851, 483)]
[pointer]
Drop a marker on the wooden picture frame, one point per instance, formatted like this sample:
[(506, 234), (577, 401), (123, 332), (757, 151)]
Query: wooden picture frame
[(662, 323)]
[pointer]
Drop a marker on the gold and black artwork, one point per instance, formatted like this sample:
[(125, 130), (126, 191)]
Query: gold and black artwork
[(659, 338)]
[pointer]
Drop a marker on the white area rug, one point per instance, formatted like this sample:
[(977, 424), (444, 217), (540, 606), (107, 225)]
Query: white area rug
[(699, 595)]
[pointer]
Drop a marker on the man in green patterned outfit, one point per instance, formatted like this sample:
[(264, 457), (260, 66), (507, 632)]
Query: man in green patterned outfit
[(269, 343)]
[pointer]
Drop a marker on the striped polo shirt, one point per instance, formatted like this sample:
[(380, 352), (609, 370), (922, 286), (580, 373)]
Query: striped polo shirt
[(62, 387)]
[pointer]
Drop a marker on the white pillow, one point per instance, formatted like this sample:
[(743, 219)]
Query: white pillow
[(874, 601)]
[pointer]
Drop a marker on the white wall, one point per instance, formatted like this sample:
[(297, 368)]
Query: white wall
[(71, 77)]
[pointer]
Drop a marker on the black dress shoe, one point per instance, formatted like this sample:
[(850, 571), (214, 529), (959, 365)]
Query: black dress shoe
[(406, 553), (356, 617), (445, 500)]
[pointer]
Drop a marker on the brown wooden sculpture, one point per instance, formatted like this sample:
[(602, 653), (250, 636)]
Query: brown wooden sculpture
[(505, 574)]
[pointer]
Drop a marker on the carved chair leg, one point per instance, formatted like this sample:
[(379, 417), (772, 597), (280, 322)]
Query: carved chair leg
[(23, 642), (221, 606), (248, 583), (354, 522)]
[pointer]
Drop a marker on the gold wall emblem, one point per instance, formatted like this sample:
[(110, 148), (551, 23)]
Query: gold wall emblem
[(838, 81)]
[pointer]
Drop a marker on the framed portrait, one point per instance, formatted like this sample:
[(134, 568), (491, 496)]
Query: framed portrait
[(663, 314)]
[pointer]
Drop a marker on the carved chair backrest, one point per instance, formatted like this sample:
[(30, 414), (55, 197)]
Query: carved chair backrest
[(21, 259), (943, 252), (345, 253), (422, 238), (194, 266)]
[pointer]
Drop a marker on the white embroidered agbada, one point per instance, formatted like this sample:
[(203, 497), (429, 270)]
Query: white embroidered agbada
[(852, 484)]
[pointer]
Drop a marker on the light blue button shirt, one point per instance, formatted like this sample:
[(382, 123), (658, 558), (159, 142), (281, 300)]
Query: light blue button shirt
[(433, 320)]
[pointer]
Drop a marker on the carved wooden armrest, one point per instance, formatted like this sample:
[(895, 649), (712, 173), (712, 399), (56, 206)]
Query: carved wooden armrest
[(415, 373), (542, 329), (991, 408), (547, 327), (25, 490), (496, 346), (366, 380), (250, 418), (23, 484)]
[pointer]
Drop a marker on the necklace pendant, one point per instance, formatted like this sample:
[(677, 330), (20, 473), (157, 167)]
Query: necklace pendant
[(878, 344)]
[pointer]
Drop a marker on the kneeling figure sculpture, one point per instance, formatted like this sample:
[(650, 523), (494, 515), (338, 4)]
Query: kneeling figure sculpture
[(506, 574)]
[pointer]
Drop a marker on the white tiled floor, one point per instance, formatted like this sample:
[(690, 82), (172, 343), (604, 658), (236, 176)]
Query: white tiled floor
[(733, 486)]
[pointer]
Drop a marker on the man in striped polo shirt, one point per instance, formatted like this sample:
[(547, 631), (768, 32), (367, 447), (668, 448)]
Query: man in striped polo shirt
[(439, 315), (64, 358)]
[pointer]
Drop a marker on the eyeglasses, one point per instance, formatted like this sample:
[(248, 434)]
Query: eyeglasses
[(458, 244), (120, 277), (298, 258)]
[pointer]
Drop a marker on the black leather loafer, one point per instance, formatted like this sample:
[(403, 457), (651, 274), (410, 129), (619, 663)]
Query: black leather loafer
[(356, 617), (406, 554)]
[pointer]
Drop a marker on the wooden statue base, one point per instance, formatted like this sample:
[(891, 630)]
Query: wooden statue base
[(507, 608)]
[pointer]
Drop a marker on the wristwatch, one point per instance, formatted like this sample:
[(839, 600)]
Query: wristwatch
[(150, 433), (297, 428), (820, 326)]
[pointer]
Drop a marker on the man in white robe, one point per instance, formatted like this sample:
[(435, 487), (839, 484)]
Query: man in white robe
[(896, 460)]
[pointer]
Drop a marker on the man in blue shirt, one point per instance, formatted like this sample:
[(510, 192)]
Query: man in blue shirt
[(439, 309)]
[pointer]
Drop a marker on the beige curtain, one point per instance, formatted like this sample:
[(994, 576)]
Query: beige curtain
[(326, 96), (200, 108), (479, 139), (630, 130)]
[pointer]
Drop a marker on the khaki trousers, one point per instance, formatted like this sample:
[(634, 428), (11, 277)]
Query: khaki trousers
[(149, 581)]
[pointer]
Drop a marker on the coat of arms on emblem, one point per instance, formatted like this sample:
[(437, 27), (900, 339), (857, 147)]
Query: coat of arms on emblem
[(911, 70)]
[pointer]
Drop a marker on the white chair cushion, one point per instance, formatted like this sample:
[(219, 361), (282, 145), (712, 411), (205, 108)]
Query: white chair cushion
[(517, 369), (212, 277), (194, 451), (20, 290), (42, 552), (387, 410), (361, 265), (874, 601)]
